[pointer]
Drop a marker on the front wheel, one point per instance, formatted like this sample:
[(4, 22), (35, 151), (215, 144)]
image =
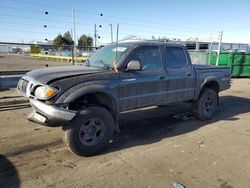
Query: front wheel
[(90, 131), (206, 105)]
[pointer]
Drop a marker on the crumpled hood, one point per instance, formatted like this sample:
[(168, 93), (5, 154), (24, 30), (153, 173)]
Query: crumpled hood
[(46, 75)]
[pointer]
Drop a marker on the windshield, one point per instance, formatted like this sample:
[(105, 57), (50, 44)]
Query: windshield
[(106, 56)]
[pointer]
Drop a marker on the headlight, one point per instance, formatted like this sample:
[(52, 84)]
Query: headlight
[(45, 92)]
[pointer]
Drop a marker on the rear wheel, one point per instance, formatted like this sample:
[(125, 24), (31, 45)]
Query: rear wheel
[(90, 131), (206, 105)]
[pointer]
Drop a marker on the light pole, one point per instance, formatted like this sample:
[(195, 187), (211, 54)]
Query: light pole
[(210, 48), (218, 54)]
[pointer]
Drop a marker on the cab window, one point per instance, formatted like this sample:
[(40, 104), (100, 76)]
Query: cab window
[(175, 57), (149, 57)]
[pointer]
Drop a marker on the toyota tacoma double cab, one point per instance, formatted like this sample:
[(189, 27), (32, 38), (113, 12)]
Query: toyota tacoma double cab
[(86, 100)]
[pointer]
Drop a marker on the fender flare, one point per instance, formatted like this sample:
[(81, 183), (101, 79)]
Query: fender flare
[(92, 89), (206, 81), (96, 89)]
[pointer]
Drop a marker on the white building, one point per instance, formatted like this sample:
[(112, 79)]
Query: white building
[(5, 48)]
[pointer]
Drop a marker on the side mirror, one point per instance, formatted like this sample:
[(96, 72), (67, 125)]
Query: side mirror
[(134, 65)]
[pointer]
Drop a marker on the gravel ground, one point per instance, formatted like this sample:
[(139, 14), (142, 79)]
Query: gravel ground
[(156, 147), (21, 62)]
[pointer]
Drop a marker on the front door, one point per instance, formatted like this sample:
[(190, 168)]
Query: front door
[(144, 87)]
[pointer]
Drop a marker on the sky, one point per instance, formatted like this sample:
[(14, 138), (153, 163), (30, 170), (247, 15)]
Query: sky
[(24, 20)]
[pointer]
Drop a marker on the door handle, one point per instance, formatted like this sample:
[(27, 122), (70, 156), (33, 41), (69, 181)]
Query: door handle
[(161, 77), (188, 74)]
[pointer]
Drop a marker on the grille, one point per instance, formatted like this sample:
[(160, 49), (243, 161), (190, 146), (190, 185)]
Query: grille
[(22, 85)]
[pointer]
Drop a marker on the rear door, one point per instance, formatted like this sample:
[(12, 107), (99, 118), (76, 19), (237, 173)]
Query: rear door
[(181, 74), (144, 87)]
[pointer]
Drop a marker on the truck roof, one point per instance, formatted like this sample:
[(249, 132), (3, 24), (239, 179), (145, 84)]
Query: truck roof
[(148, 42)]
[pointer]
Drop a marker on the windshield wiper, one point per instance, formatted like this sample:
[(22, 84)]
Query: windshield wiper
[(105, 65)]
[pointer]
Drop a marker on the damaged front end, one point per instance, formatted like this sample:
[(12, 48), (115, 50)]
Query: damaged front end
[(45, 114)]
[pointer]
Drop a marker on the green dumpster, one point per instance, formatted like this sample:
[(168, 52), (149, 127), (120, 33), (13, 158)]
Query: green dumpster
[(239, 62)]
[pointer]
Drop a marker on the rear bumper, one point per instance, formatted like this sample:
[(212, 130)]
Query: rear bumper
[(49, 115)]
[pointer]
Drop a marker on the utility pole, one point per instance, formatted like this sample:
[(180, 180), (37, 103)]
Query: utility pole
[(95, 35), (72, 50), (111, 30), (218, 54), (74, 37)]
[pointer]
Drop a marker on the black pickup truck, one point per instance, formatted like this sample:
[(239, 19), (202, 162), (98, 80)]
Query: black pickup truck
[(85, 100)]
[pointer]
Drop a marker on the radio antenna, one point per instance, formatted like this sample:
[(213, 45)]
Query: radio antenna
[(116, 45)]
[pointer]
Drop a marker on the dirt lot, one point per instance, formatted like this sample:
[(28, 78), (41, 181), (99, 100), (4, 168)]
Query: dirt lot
[(20, 62), (156, 147)]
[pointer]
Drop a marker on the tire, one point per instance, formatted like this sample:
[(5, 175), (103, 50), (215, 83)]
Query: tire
[(206, 105), (90, 131)]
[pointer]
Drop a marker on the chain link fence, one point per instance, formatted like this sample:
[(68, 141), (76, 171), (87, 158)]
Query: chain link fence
[(22, 56)]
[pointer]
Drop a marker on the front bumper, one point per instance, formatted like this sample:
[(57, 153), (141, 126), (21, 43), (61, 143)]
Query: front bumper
[(49, 115)]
